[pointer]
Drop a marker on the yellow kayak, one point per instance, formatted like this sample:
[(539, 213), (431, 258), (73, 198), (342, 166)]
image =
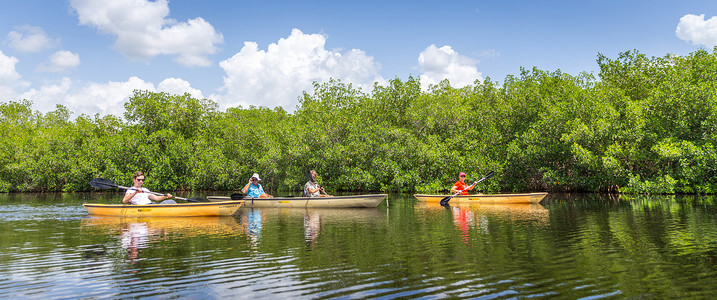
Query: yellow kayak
[(205, 209), (526, 198)]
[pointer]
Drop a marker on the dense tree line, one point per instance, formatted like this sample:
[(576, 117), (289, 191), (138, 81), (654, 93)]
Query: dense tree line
[(644, 125)]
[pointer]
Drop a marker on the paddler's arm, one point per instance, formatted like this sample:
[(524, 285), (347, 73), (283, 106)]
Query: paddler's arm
[(128, 196), (470, 188), (454, 189), (246, 188), (159, 198)]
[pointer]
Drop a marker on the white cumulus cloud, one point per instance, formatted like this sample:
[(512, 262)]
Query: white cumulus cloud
[(81, 98), (442, 63), (30, 39), (60, 61), (99, 98), (8, 73), (103, 98), (278, 75), (697, 30), (144, 31), (48, 96), (178, 86), (10, 79)]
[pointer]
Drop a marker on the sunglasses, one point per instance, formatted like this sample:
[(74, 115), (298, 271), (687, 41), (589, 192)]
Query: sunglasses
[(139, 179), (463, 175)]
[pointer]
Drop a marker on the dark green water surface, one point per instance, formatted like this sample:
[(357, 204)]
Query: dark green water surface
[(571, 246)]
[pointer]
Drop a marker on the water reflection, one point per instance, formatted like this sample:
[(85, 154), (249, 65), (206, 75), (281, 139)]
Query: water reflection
[(136, 234), (254, 220), (184, 226), (467, 216), (466, 211), (574, 246), (251, 220), (463, 218), (312, 226)]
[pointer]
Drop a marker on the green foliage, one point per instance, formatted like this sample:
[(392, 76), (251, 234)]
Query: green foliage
[(644, 125), (158, 111)]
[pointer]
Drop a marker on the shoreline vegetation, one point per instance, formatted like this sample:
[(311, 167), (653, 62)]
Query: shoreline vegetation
[(642, 125)]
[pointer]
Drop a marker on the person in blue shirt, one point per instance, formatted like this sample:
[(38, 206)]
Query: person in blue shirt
[(253, 188)]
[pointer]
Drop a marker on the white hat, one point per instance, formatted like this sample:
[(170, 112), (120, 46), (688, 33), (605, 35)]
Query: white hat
[(256, 175)]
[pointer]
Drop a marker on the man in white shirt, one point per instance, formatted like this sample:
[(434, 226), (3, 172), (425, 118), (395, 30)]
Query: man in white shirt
[(137, 195)]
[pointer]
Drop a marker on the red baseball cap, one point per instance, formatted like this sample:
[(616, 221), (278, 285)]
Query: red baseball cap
[(461, 174)]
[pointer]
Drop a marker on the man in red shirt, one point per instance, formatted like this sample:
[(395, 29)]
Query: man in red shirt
[(460, 185)]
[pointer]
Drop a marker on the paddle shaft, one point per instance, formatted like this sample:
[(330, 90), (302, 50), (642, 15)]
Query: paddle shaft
[(153, 193)]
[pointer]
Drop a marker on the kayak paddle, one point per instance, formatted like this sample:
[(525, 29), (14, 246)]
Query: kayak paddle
[(447, 199), (237, 196), (104, 184)]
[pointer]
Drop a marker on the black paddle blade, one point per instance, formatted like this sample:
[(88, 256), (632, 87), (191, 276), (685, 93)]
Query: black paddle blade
[(100, 183), (237, 196), (489, 175), (444, 201)]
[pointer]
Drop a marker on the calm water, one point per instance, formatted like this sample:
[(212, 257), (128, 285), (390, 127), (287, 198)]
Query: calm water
[(572, 246)]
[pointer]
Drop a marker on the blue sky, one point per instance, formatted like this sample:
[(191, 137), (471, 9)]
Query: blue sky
[(90, 55)]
